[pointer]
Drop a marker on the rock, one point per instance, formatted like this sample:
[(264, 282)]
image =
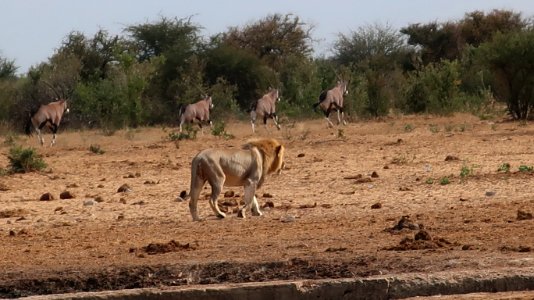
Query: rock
[(363, 180), (523, 215), (301, 155), (451, 158), (89, 202), (183, 194), (374, 174), (423, 235), (490, 193), (229, 194), (267, 195), (287, 219), (268, 204), (120, 217), (376, 205), (99, 199), (386, 167), (66, 195), (124, 189), (46, 197), (122, 200)]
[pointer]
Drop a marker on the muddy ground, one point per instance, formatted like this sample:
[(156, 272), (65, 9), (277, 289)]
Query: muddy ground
[(407, 194)]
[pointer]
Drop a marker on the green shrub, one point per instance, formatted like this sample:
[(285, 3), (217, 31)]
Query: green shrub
[(22, 160), (219, 130), (188, 134), (505, 167), (525, 168), (444, 180)]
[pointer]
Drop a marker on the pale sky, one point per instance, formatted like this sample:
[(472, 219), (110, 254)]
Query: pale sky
[(31, 30)]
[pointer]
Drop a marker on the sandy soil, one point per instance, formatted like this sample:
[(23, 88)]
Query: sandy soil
[(364, 199)]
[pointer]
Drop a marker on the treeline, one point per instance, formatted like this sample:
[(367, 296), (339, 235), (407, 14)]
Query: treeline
[(141, 77)]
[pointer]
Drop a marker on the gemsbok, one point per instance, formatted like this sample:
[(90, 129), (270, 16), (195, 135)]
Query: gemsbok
[(50, 115), (331, 100), (199, 111), (265, 107)]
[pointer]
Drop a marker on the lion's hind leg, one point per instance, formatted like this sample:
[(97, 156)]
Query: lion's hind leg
[(217, 183), (196, 187)]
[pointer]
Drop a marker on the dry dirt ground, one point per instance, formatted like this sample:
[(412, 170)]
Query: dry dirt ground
[(359, 200)]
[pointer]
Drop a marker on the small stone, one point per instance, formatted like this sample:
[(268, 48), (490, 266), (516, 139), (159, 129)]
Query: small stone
[(120, 217), (66, 195), (183, 194), (229, 194), (268, 204), (523, 215), (301, 155), (99, 199), (451, 158), (287, 219), (490, 194), (124, 189), (386, 167), (423, 235), (374, 174), (377, 205), (46, 197), (122, 200), (89, 202), (267, 195), (100, 186)]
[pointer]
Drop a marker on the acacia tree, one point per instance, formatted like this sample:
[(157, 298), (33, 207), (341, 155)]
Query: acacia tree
[(510, 57), (448, 40), (273, 38), (373, 53)]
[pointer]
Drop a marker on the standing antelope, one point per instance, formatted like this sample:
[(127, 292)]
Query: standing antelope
[(333, 100), (265, 107), (50, 115), (199, 111)]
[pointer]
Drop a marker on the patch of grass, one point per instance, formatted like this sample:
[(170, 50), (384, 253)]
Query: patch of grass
[(341, 134), (505, 167), (429, 181), (219, 130), (3, 172), (466, 171), (129, 134), (444, 180), (96, 149), (449, 127), (22, 160), (399, 160), (408, 128), (10, 140), (526, 169), (433, 128)]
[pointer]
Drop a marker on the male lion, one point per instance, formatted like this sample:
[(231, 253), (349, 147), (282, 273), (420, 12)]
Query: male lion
[(245, 167)]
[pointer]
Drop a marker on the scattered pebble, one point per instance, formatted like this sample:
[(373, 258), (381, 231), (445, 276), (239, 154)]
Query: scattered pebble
[(66, 195), (46, 197), (124, 189)]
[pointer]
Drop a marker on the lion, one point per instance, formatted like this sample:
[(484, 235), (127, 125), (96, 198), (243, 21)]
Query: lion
[(245, 167)]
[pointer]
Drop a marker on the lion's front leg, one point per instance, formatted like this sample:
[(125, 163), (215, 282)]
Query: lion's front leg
[(256, 207), (249, 197)]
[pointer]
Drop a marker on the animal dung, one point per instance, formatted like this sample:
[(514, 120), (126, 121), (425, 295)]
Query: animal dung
[(124, 189), (376, 205), (229, 194), (66, 195), (46, 197)]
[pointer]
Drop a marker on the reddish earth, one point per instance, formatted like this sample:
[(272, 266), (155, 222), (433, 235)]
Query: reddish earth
[(364, 199)]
